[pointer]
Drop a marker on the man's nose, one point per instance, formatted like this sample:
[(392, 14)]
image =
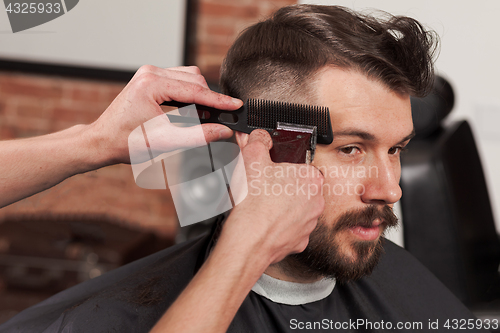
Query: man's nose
[(382, 183)]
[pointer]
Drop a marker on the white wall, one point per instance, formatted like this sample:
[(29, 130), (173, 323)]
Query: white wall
[(469, 59), (112, 34)]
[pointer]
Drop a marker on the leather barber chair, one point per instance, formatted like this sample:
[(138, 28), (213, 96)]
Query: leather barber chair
[(448, 220)]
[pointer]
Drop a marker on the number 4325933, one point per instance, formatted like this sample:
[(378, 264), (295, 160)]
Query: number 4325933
[(33, 8)]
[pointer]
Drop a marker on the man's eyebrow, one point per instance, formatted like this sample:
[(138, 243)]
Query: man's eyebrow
[(408, 137), (363, 135), (367, 136)]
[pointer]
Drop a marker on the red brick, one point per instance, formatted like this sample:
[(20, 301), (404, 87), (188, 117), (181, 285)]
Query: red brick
[(7, 133), (93, 110), (57, 125), (87, 94), (30, 86), (279, 3), (219, 30), (210, 49), (113, 91), (28, 127), (71, 115), (211, 73), (32, 109), (213, 9), (231, 2)]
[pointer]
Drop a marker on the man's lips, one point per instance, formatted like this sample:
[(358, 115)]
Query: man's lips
[(367, 233)]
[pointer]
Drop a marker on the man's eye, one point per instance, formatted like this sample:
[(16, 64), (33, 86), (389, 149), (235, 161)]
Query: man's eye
[(397, 150), (349, 150)]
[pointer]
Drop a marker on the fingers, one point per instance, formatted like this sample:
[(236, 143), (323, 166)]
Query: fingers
[(182, 84), (195, 136), (189, 74), (189, 69), (166, 71), (257, 148), (187, 92), (262, 137), (214, 132)]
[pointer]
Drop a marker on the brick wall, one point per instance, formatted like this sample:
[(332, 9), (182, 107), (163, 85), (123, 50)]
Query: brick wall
[(33, 105), (219, 23)]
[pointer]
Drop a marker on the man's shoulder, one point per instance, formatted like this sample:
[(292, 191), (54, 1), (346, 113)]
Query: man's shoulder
[(137, 293), (403, 287), (396, 263), (400, 270)]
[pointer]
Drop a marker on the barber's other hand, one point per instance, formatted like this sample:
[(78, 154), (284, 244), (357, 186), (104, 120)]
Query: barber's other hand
[(139, 102), (282, 206)]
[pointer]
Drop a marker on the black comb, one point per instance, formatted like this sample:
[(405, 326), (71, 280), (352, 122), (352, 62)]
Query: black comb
[(263, 114)]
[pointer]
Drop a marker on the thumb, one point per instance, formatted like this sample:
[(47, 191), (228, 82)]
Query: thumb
[(260, 136), (257, 148)]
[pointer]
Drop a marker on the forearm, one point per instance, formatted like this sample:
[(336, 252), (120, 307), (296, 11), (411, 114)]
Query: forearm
[(261, 230), (212, 298), (34, 164), (29, 166)]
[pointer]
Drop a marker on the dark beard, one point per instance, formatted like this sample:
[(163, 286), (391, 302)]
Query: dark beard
[(323, 257)]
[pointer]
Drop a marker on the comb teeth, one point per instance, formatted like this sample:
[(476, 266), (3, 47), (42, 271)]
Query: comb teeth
[(266, 114)]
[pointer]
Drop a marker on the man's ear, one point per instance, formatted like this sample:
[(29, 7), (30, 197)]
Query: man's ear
[(241, 139)]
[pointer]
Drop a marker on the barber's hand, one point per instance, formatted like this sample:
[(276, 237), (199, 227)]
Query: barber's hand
[(139, 102), (282, 206)]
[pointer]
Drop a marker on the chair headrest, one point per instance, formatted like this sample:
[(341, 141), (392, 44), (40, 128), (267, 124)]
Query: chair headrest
[(428, 112)]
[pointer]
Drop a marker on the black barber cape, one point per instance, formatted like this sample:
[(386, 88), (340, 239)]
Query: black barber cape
[(399, 296)]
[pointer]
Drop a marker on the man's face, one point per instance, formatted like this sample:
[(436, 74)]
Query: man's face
[(371, 125)]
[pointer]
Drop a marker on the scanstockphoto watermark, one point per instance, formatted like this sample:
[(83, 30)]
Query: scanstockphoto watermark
[(25, 15), (355, 325), (350, 180), (381, 325)]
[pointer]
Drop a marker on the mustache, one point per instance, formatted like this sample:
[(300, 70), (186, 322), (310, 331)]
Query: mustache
[(364, 217)]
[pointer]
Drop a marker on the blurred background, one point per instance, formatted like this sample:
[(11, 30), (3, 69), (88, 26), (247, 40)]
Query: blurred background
[(67, 71)]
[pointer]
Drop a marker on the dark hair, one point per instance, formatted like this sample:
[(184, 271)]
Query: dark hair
[(279, 55)]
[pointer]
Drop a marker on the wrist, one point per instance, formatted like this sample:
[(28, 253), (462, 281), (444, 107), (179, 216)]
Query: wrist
[(243, 238), (87, 148), (101, 150), (242, 265)]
